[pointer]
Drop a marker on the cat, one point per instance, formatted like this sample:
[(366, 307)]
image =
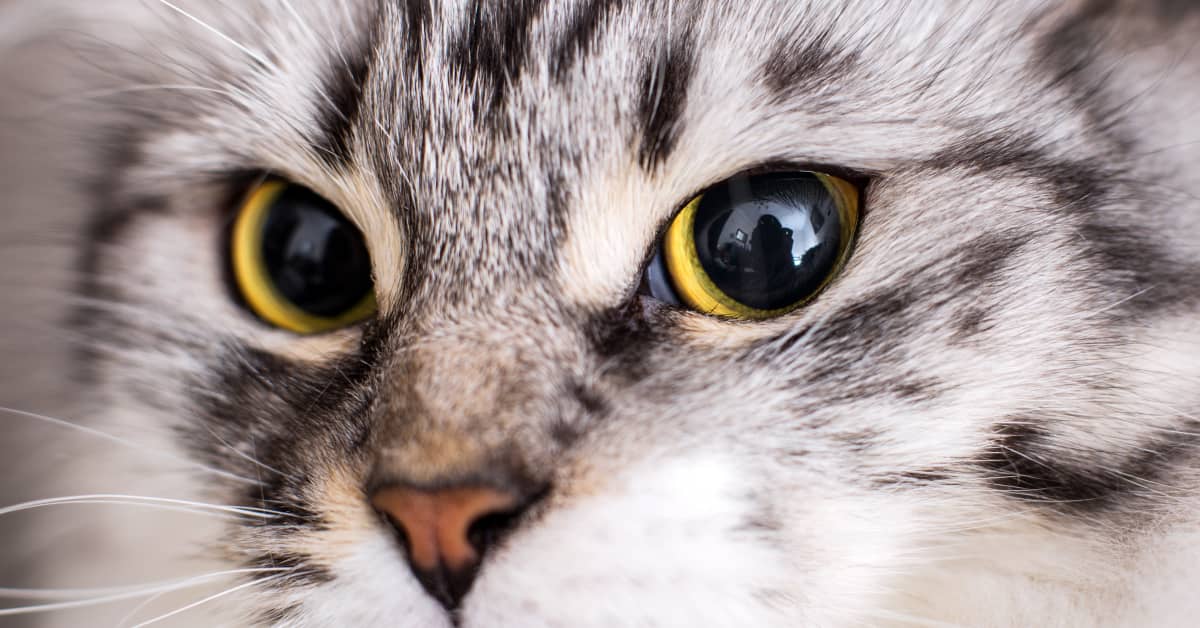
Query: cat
[(417, 313)]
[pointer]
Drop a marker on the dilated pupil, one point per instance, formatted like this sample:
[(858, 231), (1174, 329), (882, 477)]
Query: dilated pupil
[(316, 258), (768, 241)]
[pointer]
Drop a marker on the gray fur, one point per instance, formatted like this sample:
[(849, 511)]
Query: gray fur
[(988, 419)]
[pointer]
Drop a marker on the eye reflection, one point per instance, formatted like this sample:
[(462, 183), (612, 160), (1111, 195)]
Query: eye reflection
[(756, 246), (765, 239)]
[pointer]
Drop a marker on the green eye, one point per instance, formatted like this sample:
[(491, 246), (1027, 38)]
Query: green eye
[(298, 262), (758, 246)]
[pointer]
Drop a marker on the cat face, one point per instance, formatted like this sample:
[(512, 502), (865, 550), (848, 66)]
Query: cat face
[(518, 435)]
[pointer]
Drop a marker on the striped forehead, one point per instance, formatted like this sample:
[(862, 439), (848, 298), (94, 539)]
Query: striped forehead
[(493, 124), (519, 142)]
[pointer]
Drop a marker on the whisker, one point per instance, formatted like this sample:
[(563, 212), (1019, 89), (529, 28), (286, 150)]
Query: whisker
[(1114, 305), (210, 28), (162, 507), (133, 593), (140, 500), (133, 612), (249, 458), (157, 587), (208, 599), (124, 442)]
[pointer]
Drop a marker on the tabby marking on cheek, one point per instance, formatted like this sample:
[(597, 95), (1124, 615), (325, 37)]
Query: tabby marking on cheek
[(1026, 462), (301, 569), (624, 338), (1142, 277), (970, 322), (106, 229)]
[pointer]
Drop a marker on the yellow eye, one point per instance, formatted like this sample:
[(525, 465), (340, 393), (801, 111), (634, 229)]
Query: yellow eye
[(298, 262), (758, 246)]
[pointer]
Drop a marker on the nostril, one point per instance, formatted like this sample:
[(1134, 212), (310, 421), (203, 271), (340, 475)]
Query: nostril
[(446, 532), (487, 530)]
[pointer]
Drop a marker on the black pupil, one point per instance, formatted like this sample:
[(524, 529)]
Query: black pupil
[(316, 258), (768, 241)]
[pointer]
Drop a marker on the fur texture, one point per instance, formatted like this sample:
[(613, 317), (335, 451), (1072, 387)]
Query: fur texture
[(990, 418)]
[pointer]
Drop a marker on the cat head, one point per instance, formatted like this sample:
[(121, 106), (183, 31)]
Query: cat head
[(518, 432)]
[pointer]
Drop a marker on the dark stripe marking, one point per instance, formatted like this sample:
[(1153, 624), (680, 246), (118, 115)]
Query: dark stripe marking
[(879, 319), (304, 411), (797, 65), (417, 15), (663, 99), (1024, 463), (343, 85), (1127, 255), (624, 337), (580, 35), (491, 51), (302, 570)]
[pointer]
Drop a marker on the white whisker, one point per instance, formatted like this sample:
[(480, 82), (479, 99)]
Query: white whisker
[(205, 25), (126, 443), (114, 502), (133, 612), (249, 458), (1116, 304), (129, 594), (208, 599), (139, 500)]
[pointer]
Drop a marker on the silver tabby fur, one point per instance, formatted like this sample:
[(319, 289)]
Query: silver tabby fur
[(991, 417)]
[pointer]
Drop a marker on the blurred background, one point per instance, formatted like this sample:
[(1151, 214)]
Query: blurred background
[(51, 89)]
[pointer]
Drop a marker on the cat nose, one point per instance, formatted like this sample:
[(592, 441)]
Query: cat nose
[(447, 531)]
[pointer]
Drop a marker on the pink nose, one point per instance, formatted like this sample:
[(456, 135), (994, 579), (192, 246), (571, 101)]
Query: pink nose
[(445, 532)]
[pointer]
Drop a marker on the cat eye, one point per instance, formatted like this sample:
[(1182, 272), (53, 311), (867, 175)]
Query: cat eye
[(298, 262), (756, 246)]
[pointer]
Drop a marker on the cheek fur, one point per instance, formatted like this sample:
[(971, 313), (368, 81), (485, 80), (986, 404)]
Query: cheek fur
[(989, 418)]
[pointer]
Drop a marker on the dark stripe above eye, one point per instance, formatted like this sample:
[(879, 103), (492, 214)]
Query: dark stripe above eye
[(416, 16), (578, 38), (491, 51), (662, 99), (798, 64), (343, 85)]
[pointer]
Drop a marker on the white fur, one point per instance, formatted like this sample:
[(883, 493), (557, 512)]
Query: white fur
[(727, 505)]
